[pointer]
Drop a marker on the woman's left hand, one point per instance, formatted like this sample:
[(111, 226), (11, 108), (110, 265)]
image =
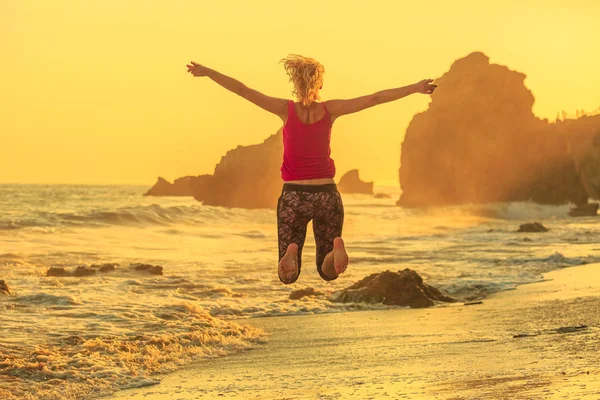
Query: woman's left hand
[(197, 69), (425, 86)]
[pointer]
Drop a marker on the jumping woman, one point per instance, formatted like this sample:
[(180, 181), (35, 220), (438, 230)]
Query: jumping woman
[(309, 191)]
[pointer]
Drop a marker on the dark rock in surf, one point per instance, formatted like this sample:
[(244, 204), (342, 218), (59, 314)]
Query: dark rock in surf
[(83, 271), (585, 210), (402, 288), (382, 196), (300, 293), (4, 288), (153, 269), (532, 228), (351, 183), (56, 271), (108, 267)]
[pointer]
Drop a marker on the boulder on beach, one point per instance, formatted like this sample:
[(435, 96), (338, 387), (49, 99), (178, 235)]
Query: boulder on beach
[(402, 288), (351, 183), (585, 210), (479, 142), (532, 227), (4, 289), (300, 293)]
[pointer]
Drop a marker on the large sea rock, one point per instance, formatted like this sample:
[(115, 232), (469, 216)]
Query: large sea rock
[(184, 186), (246, 177), (479, 142), (402, 288), (350, 183)]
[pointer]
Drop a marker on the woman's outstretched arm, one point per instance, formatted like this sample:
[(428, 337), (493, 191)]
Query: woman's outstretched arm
[(272, 104), (337, 108)]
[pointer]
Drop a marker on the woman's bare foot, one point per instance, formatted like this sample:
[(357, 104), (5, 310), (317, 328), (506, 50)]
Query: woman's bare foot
[(340, 257), (288, 266)]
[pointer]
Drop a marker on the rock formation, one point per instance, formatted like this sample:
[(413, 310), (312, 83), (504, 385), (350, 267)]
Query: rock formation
[(247, 177), (479, 142), (180, 187), (351, 183), (402, 288)]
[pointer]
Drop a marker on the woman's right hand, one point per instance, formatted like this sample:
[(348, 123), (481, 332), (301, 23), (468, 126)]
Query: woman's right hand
[(197, 69), (425, 86)]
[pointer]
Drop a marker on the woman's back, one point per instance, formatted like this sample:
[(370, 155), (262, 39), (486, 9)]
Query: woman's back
[(311, 114), (306, 139)]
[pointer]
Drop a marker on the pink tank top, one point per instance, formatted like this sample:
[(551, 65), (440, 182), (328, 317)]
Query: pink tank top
[(306, 148)]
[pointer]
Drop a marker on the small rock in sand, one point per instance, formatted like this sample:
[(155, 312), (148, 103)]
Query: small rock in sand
[(56, 271), (298, 294), (4, 288), (534, 227)]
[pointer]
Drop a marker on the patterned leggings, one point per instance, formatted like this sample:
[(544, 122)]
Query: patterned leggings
[(297, 205)]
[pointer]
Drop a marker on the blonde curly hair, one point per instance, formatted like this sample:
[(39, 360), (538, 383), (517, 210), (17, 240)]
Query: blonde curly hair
[(307, 76)]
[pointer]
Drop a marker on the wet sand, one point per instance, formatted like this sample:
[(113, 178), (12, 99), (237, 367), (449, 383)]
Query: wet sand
[(540, 341)]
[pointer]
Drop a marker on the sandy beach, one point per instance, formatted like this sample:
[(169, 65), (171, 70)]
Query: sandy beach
[(540, 341)]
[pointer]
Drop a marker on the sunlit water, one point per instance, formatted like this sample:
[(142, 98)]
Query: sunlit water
[(63, 337)]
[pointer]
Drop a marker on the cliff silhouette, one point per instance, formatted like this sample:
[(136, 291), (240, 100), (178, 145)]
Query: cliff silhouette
[(246, 177), (479, 142)]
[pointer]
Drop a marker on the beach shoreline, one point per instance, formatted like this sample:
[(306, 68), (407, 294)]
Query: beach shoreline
[(538, 341)]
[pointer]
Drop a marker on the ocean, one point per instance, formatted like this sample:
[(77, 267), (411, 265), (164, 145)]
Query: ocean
[(67, 337)]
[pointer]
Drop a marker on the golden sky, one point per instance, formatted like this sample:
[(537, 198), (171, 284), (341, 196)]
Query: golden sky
[(97, 91)]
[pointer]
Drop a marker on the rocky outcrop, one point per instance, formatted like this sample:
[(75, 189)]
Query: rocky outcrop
[(532, 228), (479, 142), (4, 288), (585, 210), (402, 288), (351, 183), (180, 187), (247, 177)]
